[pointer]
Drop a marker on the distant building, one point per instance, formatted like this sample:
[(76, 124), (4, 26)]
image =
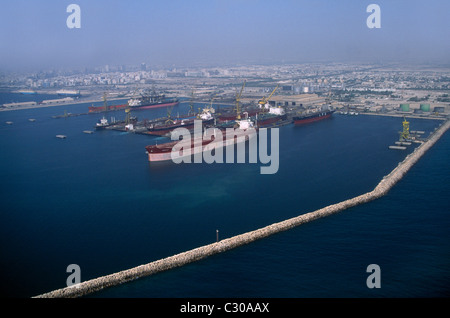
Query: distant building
[(439, 109)]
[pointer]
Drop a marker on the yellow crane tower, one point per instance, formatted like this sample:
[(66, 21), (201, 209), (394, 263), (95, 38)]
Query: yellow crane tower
[(238, 98), (263, 101), (404, 135)]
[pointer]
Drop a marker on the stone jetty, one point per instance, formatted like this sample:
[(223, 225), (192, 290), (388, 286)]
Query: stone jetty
[(199, 253)]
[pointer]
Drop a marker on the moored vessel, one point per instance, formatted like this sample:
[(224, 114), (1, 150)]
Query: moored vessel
[(317, 115), (164, 128), (197, 144), (270, 116), (143, 102)]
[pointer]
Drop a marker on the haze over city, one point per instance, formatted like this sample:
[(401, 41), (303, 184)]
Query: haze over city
[(35, 36)]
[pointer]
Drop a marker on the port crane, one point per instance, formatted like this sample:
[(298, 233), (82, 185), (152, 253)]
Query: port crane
[(328, 98), (404, 135), (264, 100), (191, 104), (128, 119), (169, 117), (105, 104), (238, 98), (128, 109)]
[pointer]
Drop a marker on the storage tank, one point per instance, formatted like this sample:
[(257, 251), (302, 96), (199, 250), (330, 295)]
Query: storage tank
[(425, 107), (404, 107)]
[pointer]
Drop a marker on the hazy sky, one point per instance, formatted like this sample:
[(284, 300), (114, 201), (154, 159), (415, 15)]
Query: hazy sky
[(34, 34)]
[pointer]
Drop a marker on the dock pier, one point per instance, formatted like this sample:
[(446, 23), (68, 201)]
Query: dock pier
[(223, 245)]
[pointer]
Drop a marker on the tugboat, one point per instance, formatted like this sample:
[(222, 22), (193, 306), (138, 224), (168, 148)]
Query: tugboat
[(102, 123)]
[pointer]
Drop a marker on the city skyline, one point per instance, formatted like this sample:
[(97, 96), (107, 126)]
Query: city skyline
[(35, 35)]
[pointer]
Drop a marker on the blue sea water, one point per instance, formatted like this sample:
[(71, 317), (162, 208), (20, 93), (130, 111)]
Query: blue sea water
[(95, 200)]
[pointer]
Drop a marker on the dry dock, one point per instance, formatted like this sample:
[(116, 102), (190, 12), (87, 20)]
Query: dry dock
[(196, 254)]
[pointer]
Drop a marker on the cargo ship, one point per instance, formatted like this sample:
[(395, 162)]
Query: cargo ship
[(312, 117), (143, 102), (231, 114), (163, 152), (161, 129), (273, 115)]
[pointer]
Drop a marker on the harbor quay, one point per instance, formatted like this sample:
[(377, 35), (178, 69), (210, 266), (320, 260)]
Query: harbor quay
[(383, 187)]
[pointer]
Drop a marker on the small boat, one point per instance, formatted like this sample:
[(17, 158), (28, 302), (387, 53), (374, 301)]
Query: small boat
[(102, 123)]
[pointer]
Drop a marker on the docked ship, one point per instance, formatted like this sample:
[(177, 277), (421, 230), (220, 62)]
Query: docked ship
[(231, 114), (164, 128), (323, 113), (163, 152), (270, 115), (102, 124), (143, 102)]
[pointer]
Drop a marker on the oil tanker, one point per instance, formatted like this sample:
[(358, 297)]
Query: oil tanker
[(161, 129), (273, 115), (163, 152), (312, 117), (143, 102)]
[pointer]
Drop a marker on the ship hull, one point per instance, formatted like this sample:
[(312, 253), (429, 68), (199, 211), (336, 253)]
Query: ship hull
[(164, 130), (99, 109), (156, 105), (270, 120), (301, 120), (232, 115), (163, 152)]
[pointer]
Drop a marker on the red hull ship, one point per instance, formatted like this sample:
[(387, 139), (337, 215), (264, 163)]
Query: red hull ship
[(163, 152), (231, 115), (309, 118)]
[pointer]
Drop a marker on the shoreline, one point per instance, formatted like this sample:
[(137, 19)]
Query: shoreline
[(178, 260)]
